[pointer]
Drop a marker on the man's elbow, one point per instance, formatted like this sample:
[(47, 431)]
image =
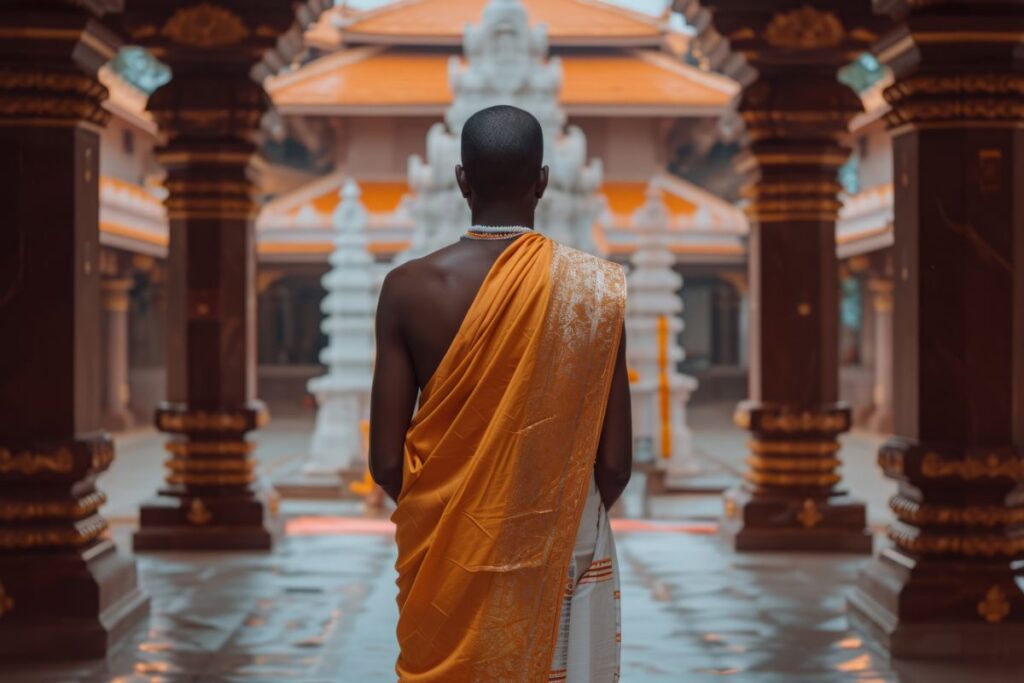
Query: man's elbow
[(387, 476), (617, 475)]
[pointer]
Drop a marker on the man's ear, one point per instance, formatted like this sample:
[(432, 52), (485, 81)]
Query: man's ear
[(542, 182), (462, 180)]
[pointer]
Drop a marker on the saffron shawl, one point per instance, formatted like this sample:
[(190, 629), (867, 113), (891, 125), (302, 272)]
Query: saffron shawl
[(498, 459)]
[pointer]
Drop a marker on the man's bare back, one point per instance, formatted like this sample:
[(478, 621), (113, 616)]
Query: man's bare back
[(432, 295), (423, 303)]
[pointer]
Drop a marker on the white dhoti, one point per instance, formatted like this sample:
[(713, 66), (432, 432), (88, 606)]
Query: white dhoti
[(589, 634)]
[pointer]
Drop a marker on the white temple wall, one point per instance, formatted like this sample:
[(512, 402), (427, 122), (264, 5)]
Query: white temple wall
[(629, 147), (378, 147), (127, 152), (875, 150)]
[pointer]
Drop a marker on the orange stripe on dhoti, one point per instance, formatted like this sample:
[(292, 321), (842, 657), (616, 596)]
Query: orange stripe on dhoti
[(498, 461)]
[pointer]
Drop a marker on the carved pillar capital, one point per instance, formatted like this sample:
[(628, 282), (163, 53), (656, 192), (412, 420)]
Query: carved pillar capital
[(51, 59)]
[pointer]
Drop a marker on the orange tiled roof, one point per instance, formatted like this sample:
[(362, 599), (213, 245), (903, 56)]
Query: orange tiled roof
[(377, 196), (626, 197), (586, 22), (637, 79), (366, 78), (373, 79)]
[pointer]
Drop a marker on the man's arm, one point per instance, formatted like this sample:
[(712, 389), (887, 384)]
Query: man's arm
[(394, 390), (614, 464)]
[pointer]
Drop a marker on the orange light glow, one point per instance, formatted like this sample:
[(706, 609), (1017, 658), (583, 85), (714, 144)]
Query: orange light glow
[(339, 526)]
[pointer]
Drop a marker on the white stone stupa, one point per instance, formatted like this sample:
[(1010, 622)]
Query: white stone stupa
[(343, 393), (654, 320), (505, 63)]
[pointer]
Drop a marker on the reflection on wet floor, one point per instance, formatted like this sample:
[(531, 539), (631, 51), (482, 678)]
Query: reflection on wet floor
[(321, 608)]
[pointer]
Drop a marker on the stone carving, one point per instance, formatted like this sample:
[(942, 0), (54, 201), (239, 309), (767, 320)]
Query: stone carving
[(505, 63), (653, 323), (343, 393)]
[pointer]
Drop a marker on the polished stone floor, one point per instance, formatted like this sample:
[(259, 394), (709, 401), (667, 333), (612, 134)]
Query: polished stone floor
[(321, 606)]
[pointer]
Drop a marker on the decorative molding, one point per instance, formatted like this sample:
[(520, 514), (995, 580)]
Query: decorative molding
[(205, 26), (29, 463), (918, 514), (80, 534), (797, 464), (955, 84), (988, 466), (968, 545), (201, 421), (827, 447), (807, 480), (12, 510), (806, 421), (188, 448), (189, 479), (201, 466), (806, 28)]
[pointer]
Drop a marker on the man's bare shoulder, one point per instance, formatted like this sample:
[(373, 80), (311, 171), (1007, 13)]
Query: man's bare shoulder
[(415, 279)]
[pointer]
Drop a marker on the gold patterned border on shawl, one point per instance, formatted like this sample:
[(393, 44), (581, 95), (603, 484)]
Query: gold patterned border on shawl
[(575, 363)]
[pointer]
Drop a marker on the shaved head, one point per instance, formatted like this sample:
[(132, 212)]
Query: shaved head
[(502, 153)]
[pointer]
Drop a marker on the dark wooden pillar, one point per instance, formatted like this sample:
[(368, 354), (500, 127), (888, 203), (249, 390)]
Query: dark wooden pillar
[(948, 585), (64, 589), (796, 115), (210, 112)]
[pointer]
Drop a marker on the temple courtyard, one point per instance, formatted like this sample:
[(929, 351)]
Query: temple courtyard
[(320, 607)]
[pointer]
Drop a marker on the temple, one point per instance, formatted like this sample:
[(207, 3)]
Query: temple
[(635, 86), (818, 206)]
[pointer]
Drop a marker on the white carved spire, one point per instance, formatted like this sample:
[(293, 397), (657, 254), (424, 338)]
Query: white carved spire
[(343, 393), (505, 62), (654, 321)]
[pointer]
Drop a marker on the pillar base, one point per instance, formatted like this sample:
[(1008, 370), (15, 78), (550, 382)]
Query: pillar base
[(939, 608), (67, 605), (756, 521), (192, 521)]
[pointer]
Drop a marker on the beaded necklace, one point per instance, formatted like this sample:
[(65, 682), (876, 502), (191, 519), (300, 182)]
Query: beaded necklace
[(495, 232)]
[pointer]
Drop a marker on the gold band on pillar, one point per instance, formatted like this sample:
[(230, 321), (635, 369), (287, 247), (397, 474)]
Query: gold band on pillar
[(115, 293)]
